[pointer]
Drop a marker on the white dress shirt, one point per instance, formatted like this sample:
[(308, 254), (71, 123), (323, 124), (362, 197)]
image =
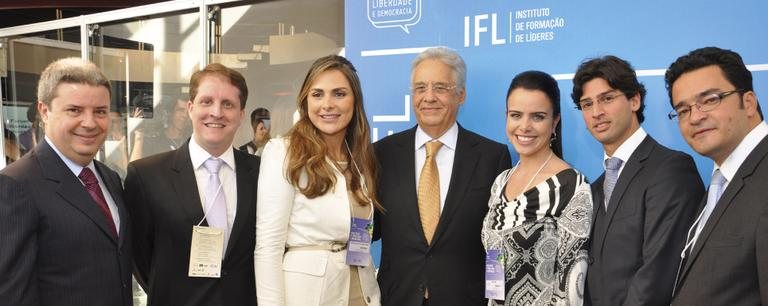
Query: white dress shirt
[(737, 157), (444, 157), (625, 150), (227, 177), (76, 169)]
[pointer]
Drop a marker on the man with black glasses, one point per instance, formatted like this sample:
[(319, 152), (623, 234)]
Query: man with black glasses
[(646, 199), (725, 259)]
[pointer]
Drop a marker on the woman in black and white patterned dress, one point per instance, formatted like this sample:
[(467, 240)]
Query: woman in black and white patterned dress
[(540, 211)]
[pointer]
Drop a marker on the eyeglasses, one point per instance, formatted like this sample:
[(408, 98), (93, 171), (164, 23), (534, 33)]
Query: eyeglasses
[(604, 99), (437, 88), (703, 103)]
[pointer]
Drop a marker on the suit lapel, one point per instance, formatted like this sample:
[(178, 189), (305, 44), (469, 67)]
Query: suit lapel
[(734, 187), (69, 186), (599, 223), (245, 201), (683, 271), (404, 155), (464, 162), (633, 166), (185, 185)]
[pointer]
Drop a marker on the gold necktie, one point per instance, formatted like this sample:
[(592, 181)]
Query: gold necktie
[(429, 192)]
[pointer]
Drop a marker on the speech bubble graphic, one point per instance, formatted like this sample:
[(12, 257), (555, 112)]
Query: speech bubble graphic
[(394, 13)]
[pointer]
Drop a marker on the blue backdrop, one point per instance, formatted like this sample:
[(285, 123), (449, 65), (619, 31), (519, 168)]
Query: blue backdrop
[(499, 39)]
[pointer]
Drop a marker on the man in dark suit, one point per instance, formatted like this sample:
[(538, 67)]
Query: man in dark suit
[(205, 187), (726, 254), (438, 261), (65, 235), (644, 201)]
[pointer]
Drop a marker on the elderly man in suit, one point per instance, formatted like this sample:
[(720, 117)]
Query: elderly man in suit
[(65, 235), (725, 259), (430, 230), (194, 208), (644, 201)]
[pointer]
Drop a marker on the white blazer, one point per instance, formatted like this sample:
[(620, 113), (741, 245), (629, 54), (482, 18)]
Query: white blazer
[(285, 218)]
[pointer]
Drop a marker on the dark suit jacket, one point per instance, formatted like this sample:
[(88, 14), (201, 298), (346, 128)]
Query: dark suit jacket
[(635, 246), (729, 262), (452, 267), (162, 194), (55, 245)]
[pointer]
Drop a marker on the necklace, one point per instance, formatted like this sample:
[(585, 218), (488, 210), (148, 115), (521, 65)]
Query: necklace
[(535, 174)]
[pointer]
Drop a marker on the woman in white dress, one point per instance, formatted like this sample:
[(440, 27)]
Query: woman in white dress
[(316, 198), (540, 211)]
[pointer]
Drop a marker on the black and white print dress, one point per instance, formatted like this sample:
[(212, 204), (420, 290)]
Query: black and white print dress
[(543, 236)]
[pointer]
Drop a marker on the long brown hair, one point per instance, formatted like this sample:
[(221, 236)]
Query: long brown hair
[(307, 150)]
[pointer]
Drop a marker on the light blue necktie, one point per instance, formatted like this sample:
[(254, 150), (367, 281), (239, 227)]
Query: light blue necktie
[(713, 195), (612, 166), (215, 202)]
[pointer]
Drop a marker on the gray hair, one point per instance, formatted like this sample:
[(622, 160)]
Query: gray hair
[(69, 70), (449, 57)]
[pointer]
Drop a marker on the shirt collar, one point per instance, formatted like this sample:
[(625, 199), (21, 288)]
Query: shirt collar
[(448, 138), (198, 155), (625, 150), (737, 157), (73, 166)]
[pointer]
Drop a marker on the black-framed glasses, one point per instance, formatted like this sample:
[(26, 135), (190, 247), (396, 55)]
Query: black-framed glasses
[(438, 88), (703, 103), (603, 99)]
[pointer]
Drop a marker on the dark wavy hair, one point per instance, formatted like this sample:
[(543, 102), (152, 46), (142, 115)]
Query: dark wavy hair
[(617, 72)]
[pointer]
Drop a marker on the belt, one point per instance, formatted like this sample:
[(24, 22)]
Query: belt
[(333, 246)]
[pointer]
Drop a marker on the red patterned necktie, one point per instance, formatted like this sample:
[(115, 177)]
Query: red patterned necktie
[(92, 185)]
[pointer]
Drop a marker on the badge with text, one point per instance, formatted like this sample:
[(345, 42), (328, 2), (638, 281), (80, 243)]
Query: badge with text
[(359, 244), (206, 252), (494, 275)]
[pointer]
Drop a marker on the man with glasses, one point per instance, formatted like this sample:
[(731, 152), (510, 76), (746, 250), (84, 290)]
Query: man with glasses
[(644, 201), (434, 184), (726, 254)]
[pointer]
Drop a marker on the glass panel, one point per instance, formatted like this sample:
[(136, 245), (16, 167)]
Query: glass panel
[(149, 62), (23, 59), (273, 44)]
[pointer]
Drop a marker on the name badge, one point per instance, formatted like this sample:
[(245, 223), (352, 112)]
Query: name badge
[(494, 275), (206, 252), (359, 244)]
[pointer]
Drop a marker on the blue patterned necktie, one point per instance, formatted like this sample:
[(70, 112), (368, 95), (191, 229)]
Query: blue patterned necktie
[(612, 166)]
